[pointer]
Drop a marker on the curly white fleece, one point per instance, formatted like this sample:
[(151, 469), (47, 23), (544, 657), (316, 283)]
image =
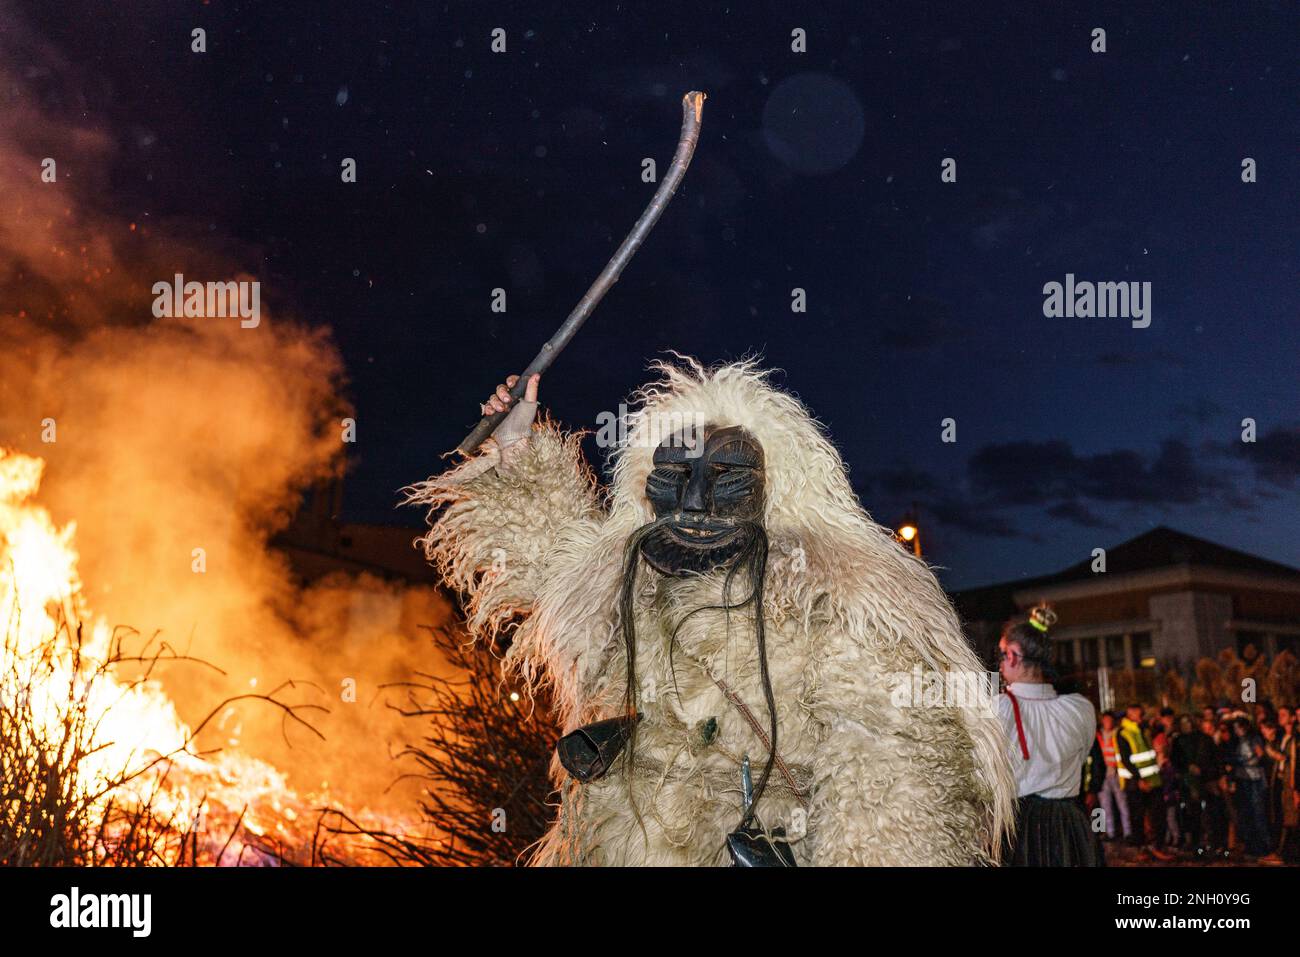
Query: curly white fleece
[(846, 608)]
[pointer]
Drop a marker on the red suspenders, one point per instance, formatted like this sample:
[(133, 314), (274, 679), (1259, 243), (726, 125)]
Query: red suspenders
[(1020, 728)]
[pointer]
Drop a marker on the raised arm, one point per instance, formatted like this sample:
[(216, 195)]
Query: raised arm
[(493, 517)]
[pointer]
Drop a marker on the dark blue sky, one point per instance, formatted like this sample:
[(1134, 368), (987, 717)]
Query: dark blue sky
[(819, 170)]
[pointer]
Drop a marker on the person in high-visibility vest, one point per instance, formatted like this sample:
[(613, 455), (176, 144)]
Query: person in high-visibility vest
[(1114, 802), (1138, 757)]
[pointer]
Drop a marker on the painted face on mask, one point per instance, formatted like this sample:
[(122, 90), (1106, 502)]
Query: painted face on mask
[(707, 489)]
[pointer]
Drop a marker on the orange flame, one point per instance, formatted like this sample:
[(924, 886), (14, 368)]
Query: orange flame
[(132, 725)]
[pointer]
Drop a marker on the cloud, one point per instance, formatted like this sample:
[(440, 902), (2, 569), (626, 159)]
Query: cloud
[(1052, 478), (974, 518), (903, 481), (1079, 514), (1275, 456), (1199, 410), (1030, 473)]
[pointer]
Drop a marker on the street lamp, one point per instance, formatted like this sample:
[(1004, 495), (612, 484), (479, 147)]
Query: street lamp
[(909, 534)]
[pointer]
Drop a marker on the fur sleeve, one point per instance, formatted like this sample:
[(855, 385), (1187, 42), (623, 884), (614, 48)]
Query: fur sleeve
[(893, 784), (491, 526)]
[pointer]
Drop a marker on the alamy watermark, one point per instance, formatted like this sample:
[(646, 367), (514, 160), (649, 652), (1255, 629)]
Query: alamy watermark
[(207, 300), (74, 909), (1103, 300), (942, 689), (651, 429)]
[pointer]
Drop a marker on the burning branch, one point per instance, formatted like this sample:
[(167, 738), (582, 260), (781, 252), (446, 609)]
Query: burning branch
[(60, 804)]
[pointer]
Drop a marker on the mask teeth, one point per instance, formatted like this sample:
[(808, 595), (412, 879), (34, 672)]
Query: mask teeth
[(671, 558)]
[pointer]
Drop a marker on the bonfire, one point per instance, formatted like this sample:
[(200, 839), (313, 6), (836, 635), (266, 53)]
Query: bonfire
[(96, 766)]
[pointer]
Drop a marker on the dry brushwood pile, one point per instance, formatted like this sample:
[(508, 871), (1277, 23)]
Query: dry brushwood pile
[(76, 786), (484, 754)]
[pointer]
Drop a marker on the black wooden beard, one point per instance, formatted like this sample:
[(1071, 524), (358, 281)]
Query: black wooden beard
[(748, 560), (678, 547)]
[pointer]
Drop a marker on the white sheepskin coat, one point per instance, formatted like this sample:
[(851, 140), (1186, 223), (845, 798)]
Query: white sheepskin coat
[(846, 609)]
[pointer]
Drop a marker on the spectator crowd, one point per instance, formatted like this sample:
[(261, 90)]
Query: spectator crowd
[(1220, 783)]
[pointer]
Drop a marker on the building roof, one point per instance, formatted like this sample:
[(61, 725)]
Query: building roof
[(1161, 547)]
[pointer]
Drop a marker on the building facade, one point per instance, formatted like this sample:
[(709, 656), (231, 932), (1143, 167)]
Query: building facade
[(1165, 600)]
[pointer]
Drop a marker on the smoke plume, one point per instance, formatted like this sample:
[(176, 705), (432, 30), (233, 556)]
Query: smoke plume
[(167, 435)]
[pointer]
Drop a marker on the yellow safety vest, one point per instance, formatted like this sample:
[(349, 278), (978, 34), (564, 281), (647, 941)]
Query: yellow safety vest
[(1143, 754)]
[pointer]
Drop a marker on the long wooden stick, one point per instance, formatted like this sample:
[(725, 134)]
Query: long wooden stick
[(692, 110)]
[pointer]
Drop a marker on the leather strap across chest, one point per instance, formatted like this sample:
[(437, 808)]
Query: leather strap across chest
[(743, 708)]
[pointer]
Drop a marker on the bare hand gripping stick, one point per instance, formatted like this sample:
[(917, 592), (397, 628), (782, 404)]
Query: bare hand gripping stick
[(692, 108)]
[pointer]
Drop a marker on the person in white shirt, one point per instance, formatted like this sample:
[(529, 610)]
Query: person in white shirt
[(1049, 736)]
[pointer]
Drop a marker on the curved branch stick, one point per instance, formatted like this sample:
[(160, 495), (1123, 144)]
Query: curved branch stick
[(692, 109)]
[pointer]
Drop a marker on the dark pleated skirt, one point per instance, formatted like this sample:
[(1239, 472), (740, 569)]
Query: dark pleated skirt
[(1053, 832)]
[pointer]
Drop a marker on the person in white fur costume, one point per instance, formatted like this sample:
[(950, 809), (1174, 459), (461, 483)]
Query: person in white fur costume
[(742, 505)]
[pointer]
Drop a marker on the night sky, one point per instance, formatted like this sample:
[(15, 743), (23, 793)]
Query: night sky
[(818, 170)]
